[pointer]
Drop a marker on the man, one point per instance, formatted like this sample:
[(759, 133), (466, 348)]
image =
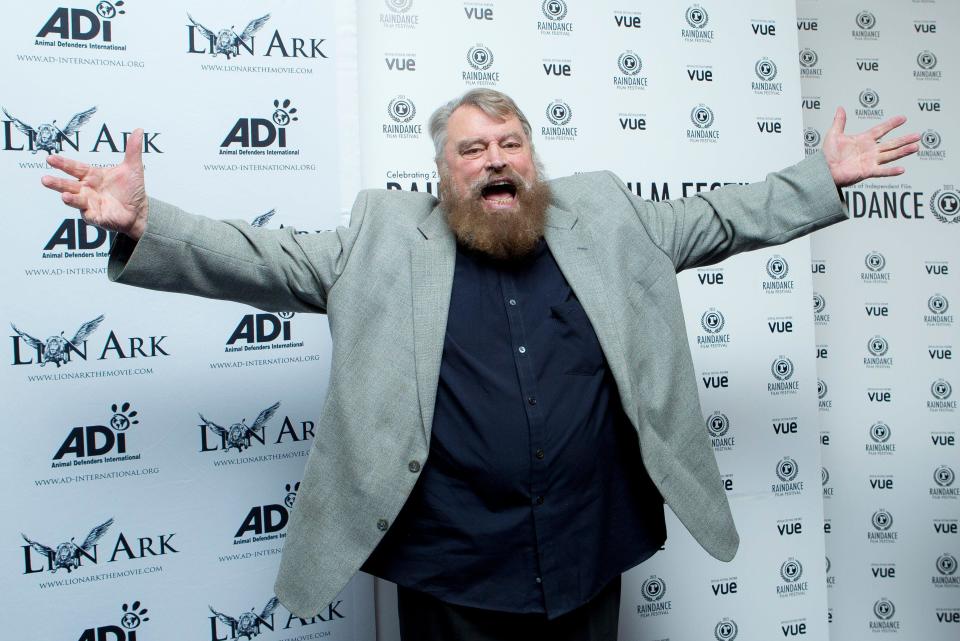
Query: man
[(527, 335)]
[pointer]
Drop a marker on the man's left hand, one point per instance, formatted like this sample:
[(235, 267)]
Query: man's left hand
[(864, 155)]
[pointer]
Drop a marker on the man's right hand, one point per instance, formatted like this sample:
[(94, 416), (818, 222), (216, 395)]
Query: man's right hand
[(111, 198)]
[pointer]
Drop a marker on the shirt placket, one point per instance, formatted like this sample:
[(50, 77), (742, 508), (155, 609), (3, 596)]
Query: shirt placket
[(523, 357)]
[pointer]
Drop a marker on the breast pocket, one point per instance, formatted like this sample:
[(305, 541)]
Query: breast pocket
[(578, 350)]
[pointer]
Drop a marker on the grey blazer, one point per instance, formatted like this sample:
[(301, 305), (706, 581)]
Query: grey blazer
[(385, 284)]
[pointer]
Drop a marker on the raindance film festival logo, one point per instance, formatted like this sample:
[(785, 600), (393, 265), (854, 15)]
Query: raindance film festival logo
[(879, 444), (946, 569), (480, 59), (811, 141), (718, 425), (930, 142), (253, 136), (653, 590), (559, 114), (941, 390), (240, 436), (809, 64), (99, 444), (81, 28), (766, 71), (399, 16), (944, 477), (62, 351), (945, 204), (697, 20), (791, 571), (555, 12), (265, 523), (877, 348), (401, 111), (882, 522), (869, 105), (132, 616), (825, 483), (820, 316), (866, 24), (938, 305), (876, 268), (251, 624), (883, 612), (630, 65), (927, 62), (713, 322), (824, 403), (778, 269), (725, 630), (703, 131), (70, 556), (227, 42), (782, 370), (787, 471)]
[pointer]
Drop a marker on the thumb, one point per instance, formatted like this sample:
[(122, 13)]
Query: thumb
[(839, 121), (134, 149)]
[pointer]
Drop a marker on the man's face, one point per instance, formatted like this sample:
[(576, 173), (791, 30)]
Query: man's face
[(489, 154), (494, 200)]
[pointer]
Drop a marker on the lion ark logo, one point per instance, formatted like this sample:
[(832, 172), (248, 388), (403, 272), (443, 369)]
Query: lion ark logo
[(67, 555), (49, 137), (239, 435), (57, 349), (247, 625), (134, 615), (228, 41)]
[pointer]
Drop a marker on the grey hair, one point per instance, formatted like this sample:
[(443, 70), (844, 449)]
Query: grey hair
[(494, 103)]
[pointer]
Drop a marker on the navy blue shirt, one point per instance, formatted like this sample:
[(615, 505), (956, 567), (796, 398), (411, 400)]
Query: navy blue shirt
[(533, 496)]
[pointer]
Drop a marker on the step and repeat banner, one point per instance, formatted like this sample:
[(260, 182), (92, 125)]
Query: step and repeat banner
[(676, 98), (155, 442), (885, 292)]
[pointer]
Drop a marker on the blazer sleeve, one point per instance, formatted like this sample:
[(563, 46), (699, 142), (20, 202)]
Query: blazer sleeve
[(711, 226), (274, 270)]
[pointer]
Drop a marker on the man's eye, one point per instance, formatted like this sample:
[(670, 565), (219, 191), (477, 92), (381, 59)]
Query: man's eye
[(473, 152)]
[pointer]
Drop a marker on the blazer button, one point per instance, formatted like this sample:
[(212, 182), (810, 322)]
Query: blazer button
[(382, 525), (413, 466)]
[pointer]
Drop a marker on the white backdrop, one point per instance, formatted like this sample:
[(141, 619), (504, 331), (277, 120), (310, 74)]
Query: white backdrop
[(674, 97), (887, 291)]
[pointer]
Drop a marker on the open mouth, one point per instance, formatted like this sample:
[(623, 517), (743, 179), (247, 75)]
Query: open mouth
[(499, 192)]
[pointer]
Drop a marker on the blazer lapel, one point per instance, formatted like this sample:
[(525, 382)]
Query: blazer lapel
[(574, 249), (433, 261)]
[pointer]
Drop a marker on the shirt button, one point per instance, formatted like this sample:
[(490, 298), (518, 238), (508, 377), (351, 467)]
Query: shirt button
[(539, 500), (522, 349), (532, 400), (413, 466), (539, 453), (539, 580), (382, 525), (512, 301)]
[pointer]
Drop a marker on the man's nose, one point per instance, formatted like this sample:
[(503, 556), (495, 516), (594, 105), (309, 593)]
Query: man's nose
[(495, 158)]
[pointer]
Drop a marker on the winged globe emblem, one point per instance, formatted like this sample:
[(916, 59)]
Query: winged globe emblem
[(263, 219), (48, 136), (238, 435), (67, 555), (247, 624), (56, 349), (227, 41)]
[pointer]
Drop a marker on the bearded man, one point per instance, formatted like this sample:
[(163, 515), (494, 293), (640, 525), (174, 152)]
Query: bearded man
[(512, 398)]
